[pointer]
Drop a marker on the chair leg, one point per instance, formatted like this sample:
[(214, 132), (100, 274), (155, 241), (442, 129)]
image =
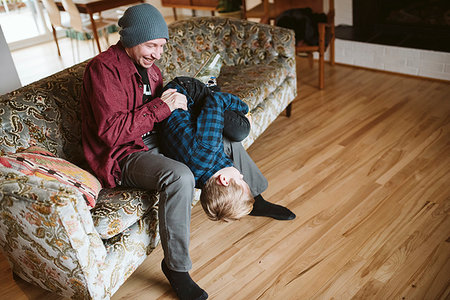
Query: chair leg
[(78, 49), (105, 32), (93, 48), (73, 50), (55, 37), (321, 55), (332, 50)]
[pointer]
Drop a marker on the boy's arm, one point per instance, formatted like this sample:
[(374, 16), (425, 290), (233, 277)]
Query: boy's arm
[(233, 102), (210, 123), (176, 136)]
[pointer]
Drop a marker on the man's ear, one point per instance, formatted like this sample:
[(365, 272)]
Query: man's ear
[(222, 180)]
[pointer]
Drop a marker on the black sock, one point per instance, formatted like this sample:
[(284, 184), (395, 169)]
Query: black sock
[(266, 209), (183, 285)]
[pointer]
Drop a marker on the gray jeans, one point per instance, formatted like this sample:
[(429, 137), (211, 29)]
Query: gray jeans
[(244, 163), (150, 170)]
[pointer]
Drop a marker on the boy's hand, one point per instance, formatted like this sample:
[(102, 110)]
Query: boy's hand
[(249, 117), (174, 99)]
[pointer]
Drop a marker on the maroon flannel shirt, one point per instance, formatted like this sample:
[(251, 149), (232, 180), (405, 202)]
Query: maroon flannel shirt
[(113, 116)]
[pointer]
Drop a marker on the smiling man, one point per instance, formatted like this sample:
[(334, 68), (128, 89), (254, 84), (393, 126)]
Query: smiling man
[(121, 102)]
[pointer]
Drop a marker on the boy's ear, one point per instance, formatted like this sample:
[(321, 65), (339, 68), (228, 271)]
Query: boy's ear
[(222, 180)]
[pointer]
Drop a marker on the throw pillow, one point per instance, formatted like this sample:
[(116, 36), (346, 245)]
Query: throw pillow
[(39, 162)]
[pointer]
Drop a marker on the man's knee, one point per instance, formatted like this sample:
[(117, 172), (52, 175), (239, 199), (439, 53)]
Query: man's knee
[(186, 178), (180, 185), (181, 177)]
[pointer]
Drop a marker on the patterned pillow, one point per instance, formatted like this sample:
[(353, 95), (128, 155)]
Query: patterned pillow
[(42, 163)]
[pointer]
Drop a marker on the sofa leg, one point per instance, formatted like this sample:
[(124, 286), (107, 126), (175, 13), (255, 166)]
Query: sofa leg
[(16, 277), (288, 110)]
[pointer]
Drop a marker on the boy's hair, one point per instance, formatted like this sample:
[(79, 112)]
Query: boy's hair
[(225, 203)]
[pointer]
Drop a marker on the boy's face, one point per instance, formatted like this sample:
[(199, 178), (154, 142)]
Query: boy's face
[(232, 173), (147, 53)]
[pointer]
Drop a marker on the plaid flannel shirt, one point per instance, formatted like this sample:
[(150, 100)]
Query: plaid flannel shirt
[(195, 136)]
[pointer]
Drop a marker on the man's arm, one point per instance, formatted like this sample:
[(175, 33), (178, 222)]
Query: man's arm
[(119, 119)]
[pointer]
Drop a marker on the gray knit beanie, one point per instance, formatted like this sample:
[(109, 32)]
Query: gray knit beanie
[(142, 23)]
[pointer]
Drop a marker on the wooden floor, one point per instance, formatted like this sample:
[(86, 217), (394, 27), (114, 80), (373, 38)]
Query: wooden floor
[(365, 166)]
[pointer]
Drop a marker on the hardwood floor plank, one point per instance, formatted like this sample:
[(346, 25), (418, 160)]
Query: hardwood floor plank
[(431, 280), (410, 258)]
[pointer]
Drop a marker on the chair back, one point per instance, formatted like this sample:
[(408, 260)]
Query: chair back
[(317, 6), (283, 5), (53, 12), (75, 17)]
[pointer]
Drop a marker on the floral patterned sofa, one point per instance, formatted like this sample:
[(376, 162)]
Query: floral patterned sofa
[(49, 233)]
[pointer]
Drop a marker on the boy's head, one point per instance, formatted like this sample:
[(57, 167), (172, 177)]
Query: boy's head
[(226, 196)]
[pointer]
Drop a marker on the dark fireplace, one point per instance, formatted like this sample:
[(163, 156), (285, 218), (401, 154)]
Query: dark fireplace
[(419, 24)]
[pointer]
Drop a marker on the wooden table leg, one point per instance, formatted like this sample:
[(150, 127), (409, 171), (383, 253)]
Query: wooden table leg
[(94, 29), (175, 13)]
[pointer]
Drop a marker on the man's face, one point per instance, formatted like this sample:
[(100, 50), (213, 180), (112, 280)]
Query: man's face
[(147, 53)]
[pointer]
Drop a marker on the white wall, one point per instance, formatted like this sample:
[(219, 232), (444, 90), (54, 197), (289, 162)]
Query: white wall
[(9, 80), (344, 12)]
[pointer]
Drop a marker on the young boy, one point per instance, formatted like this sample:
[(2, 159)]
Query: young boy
[(196, 138)]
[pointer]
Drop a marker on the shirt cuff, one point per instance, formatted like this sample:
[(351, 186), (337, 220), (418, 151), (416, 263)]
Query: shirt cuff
[(159, 108)]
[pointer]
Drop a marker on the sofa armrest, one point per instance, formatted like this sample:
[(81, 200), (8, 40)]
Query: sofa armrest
[(239, 42), (48, 236)]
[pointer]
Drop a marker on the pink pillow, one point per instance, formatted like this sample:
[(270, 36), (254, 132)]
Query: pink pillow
[(42, 163)]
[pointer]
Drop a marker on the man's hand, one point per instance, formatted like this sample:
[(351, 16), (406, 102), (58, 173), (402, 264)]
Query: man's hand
[(174, 99)]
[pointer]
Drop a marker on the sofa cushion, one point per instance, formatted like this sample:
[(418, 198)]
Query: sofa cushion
[(119, 208), (39, 162), (252, 83)]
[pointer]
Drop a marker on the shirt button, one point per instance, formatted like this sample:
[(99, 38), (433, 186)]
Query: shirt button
[(145, 115), (154, 106), (140, 86)]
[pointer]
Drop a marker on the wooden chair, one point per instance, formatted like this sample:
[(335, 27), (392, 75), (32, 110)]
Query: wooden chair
[(268, 12), (55, 19), (83, 27)]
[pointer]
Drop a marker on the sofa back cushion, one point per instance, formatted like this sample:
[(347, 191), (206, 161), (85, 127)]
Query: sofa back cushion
[(45, 113), (239, 42)]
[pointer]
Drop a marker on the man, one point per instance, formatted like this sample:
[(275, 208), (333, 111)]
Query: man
[(121, 102)]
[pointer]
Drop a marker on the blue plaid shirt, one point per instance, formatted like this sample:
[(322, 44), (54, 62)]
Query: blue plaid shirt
[(195, 136)]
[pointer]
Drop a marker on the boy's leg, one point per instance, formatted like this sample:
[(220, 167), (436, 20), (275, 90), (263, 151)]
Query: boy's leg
[(257, 183), (244, 163), (236, 125)]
